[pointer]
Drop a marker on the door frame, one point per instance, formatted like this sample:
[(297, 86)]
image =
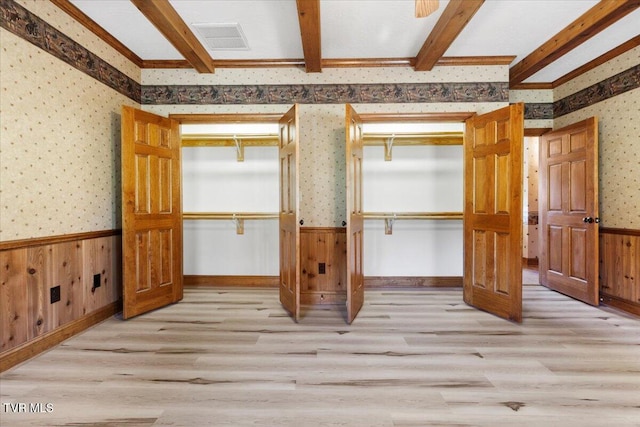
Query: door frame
[(585, 289)]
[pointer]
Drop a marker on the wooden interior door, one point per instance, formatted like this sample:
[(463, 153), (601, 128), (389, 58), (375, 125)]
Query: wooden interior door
[(151, 212), (493, 212), (568, 198), (355, 220), (289, 204)]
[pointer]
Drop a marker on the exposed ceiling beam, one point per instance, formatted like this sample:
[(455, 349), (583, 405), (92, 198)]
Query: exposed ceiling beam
[(451, 23), (596, 19), (165, 18), (309, 19)]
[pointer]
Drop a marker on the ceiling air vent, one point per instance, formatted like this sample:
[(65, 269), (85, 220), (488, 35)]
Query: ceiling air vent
[(222, 36)]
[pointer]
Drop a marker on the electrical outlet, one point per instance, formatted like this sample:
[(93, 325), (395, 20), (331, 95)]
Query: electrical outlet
[(96, 281), (55, 294), (322, 268)]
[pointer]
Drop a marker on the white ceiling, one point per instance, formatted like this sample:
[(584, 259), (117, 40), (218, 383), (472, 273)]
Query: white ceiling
[(369, 29)]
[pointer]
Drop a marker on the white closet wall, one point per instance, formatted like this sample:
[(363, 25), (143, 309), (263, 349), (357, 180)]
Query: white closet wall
[(424, 178), (214, 181)]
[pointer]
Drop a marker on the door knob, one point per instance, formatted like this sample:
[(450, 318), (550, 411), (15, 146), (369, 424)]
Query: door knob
[(597, 220), (587, 219)]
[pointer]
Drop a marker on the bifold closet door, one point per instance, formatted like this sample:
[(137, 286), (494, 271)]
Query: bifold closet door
[(288, 217), (493, 147), (355, 217), (151, 212)]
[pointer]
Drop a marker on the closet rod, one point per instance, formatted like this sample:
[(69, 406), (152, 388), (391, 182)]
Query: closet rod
[(413, 215), (238, 218), (427, 138), (229, 215)]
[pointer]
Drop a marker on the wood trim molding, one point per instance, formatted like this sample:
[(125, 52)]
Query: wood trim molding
[(415, 117), (226, 118), (620, 303), (475, 60), (231, 281), (531, 86), (166, 64), (624, 47), (323, 229), (51, 240), (226, 63), (322, 298), (446, 61), (622, 231), (455, 17), (412, 282), (46, 341), (309, 20), (96, 29), (596, 19), (165, 18), (536, 131)]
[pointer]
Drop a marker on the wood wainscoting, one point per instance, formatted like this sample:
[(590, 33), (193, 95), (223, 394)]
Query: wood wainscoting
[(620, 268), (323, 258), (55, 287)]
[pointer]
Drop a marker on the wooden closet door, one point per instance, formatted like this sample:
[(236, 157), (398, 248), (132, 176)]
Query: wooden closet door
[(355, 218), (289, 205), (151, 212), (568, 197), (493, 212)]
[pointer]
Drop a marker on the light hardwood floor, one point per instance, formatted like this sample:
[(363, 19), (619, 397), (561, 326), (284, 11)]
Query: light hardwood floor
[(411, 358)]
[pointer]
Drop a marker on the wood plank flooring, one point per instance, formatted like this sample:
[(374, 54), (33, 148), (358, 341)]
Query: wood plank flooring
[(412, 358)]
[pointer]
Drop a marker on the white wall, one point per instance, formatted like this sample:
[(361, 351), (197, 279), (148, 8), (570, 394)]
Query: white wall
[(213, 248), (416, 248)]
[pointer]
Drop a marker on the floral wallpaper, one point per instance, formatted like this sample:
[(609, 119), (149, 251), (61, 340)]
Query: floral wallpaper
[(59, 142), (617, 107), (605, 89)]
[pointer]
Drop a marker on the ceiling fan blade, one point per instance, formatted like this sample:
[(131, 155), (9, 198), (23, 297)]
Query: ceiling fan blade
[(426, 7)]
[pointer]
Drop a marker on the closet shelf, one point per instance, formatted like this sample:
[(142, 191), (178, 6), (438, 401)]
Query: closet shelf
[(412, 215), (231, 140), (389, 140)]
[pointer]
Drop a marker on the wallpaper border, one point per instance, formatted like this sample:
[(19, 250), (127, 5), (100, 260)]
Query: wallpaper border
[(538, 111), (603, 90), (380, 93), (30, 27)]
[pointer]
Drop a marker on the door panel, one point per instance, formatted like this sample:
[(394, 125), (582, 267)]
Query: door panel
[(493, 212), (355, 216), (289, 205), (151, 212), (568, 194)]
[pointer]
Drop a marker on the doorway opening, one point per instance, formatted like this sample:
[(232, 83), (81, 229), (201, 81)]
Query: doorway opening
[(413, 202), (230, 203)]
